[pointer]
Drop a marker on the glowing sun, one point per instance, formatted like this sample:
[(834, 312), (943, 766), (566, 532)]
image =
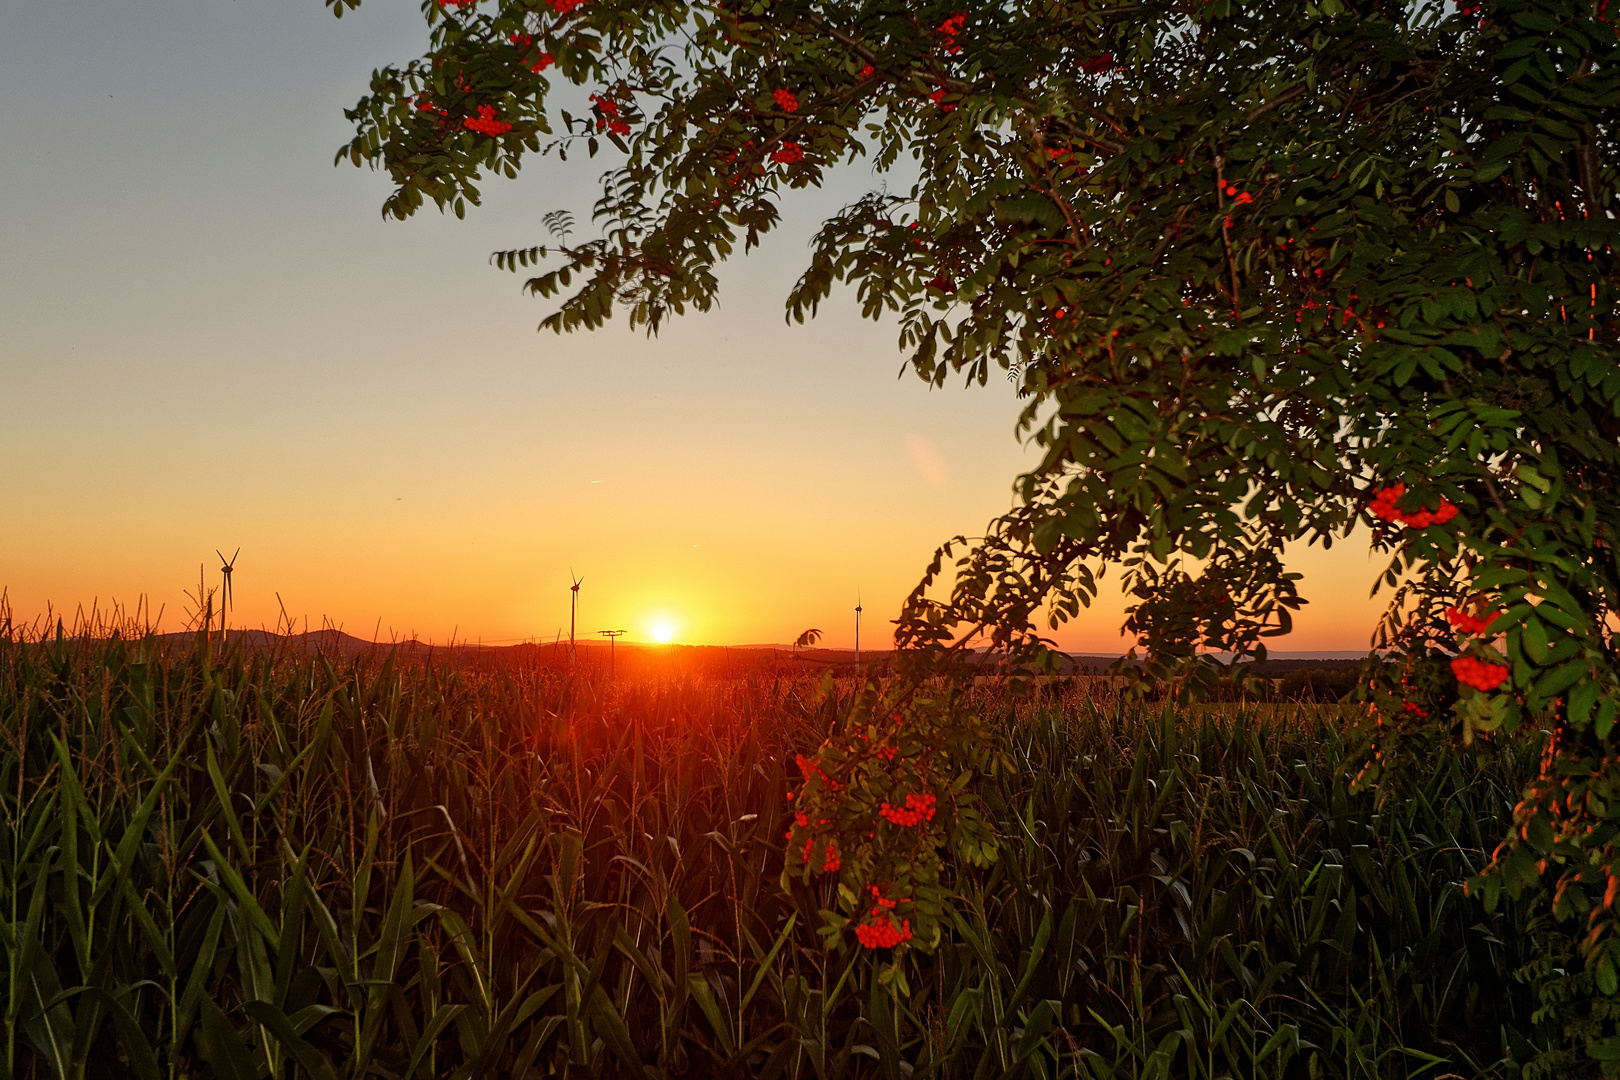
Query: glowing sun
[(663, 633)]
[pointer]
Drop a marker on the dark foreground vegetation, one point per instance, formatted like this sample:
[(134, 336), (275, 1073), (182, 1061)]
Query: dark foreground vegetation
[(259, 865)]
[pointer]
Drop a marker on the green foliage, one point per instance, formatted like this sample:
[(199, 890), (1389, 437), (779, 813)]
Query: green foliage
[(293, 866), (1264, 273), (886, 804), (1247, 263)]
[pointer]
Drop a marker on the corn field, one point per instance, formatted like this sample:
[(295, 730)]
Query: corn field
[(251, 865)]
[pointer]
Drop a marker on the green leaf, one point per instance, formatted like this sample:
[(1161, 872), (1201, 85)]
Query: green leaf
[(1043, 934), (244, 897), (1581, 700), (1554, 682), (1538, 831), (1607, 981), (441, 1018), (292, 1042), (131, 1037), (699, 988), (225, 1051)]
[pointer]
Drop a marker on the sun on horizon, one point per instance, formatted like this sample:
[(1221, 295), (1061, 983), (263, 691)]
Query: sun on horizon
[(663, 632)]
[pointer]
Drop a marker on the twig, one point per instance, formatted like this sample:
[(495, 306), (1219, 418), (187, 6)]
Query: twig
[(1226, 233), (1281, 99)]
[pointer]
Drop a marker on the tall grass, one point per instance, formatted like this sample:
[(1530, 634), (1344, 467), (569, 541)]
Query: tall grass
[(262, 865)]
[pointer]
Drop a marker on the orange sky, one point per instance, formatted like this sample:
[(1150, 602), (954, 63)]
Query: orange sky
[(215, 342)]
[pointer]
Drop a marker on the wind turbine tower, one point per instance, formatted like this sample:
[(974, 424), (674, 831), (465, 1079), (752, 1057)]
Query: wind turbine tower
[(573, 610), (857, 631), (225, 568)]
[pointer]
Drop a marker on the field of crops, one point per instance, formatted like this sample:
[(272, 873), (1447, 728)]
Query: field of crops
[(287, 865)]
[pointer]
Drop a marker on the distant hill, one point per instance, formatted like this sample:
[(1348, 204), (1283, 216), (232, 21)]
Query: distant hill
[(326, 640), (640, 658)]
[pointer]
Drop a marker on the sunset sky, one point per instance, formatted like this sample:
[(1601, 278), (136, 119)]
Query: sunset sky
[(209, 338)]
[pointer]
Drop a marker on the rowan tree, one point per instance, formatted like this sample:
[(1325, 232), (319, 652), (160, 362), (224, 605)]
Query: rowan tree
[(1262, 273)]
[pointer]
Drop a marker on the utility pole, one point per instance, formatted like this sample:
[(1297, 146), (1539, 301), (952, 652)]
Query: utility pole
[(613, 640)]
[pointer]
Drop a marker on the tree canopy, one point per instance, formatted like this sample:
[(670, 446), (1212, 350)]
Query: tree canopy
[(1262, 273)]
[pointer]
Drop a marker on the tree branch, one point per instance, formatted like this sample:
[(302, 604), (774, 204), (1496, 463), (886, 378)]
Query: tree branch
[(1281, 99)]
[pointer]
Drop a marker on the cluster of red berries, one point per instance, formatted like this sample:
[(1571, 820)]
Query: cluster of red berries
[(938, 98), (1064, 157), (949, 29), (806, 766), (1239, 198), (918, 809), (787, 153), (1383, 506), (485, 122), (610, 119), (866, 72), (802, 820), (1098, 64), (880, 931), (830, 862), (524, 41), (1478, 674), (1469, 624), (884, 753), (563, 7), (786, 100), (1415, 709)]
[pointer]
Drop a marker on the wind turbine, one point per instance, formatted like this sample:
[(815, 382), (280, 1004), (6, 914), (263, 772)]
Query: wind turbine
[(225, 568), (857, 629), (573, 609)]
